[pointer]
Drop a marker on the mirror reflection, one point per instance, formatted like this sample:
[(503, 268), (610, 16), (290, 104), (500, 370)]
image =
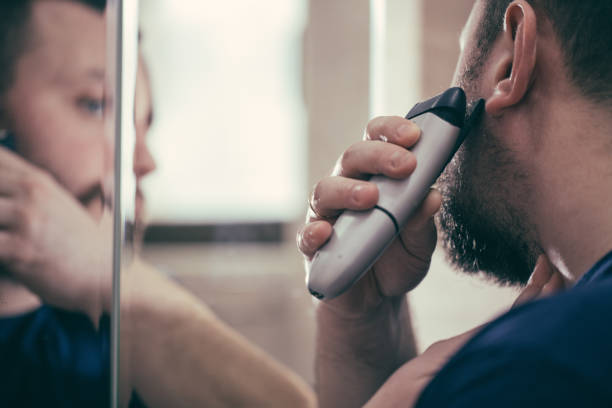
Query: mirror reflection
[(55, 221)]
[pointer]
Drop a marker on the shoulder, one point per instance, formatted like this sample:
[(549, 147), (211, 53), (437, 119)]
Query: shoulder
[(500, 377), (555, 351)]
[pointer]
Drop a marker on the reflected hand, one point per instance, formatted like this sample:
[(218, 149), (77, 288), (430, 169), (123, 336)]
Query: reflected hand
[(406, 261), (49, 242)]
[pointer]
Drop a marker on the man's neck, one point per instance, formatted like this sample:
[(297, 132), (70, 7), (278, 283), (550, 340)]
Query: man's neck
[(574, 195)]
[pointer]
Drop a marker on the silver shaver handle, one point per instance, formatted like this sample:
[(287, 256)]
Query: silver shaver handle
[(359, 238), (433, 151)]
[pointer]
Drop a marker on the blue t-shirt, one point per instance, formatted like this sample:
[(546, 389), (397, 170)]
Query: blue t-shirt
[(553, 352), (55, 358)]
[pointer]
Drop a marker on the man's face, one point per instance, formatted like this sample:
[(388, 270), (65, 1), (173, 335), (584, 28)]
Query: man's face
[(56, 103), (486, 188), (143, 118)]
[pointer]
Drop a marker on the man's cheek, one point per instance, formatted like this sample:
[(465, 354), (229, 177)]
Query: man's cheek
[(459, 73), (38, 127), (81, 169)]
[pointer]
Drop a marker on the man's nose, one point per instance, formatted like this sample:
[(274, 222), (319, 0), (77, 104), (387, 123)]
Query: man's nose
[(144, 163)]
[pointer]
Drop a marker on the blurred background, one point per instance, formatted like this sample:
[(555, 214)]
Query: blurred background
[(254, 101)]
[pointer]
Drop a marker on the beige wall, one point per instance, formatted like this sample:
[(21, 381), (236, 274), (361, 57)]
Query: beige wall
[(336, 79), (442, 24)]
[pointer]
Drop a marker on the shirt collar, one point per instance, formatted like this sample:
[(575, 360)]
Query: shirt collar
[(598, 271)]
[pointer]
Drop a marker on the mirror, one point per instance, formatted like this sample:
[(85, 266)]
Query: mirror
[(55, 214), (219, 173)]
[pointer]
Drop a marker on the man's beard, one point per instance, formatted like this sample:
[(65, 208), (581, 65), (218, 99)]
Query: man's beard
[(482, 221)]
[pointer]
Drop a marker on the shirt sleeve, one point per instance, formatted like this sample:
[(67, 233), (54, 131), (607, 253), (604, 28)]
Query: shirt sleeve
[(510, 378)]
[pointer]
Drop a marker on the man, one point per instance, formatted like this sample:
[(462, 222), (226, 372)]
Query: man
[(54, 331), (527, 191)]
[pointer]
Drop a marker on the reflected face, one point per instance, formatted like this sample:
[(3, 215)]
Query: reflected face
[(56, 103), (143, 118), (485, 188)]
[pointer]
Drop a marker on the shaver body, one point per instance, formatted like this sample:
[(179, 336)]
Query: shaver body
[(359, 238)]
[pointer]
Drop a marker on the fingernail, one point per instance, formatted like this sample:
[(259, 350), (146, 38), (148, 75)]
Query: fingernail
[(357, 193), (530, 280), (539, 263), (399, 159), (308, 238), (407, 129), (308, 235), (535, 268)]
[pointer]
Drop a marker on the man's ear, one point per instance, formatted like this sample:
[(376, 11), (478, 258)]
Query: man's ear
[(515, 65)]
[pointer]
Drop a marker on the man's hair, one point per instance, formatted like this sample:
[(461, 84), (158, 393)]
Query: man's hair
[(14, 26), (583, 29)]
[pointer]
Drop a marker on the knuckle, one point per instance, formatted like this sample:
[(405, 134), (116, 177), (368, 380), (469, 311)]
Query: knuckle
[(33, 185), (30, 220), (27, 185), (381, 158), (23, 214)]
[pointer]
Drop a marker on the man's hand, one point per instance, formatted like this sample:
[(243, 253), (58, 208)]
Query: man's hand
[(365, 335), (405, 263), (49, 242), (545, 280)]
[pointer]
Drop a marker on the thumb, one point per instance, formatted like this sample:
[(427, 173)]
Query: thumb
[(540, 276)]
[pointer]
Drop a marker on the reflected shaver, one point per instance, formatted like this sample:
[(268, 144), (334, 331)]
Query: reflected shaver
[(359, 238)]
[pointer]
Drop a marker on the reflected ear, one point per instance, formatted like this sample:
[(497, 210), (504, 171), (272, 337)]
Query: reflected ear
[(515, 64)]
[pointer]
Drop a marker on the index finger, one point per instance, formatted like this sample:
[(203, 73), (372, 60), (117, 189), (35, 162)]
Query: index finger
[(8, 183), (541, 274), (393, 129), (312, 236), (10, 160)]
